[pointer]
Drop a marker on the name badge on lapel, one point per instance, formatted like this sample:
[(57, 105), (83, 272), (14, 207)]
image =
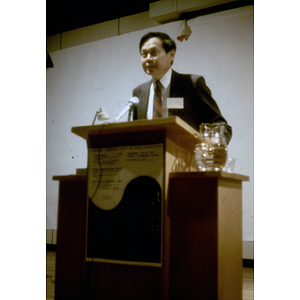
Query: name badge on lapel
[(175, 103)]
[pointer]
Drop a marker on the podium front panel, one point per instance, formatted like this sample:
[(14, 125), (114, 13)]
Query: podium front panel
[(125, 202)]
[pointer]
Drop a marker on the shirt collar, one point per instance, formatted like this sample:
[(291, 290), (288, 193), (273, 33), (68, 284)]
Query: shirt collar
[(166, 79)]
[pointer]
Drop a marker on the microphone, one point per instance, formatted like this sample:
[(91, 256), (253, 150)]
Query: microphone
[(132, 102)]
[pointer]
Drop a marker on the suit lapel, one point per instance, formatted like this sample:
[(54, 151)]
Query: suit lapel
[(175, 90), (144, 98)]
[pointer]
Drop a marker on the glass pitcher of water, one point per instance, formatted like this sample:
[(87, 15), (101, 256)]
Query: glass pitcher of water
[(211, 151)]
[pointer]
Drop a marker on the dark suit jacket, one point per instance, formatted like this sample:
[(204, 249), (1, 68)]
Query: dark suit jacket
[(199, 106)]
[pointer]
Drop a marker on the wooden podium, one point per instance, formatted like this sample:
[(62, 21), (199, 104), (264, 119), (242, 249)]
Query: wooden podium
[(79, 278)]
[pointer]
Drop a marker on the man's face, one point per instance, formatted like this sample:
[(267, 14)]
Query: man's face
[(155, 61)]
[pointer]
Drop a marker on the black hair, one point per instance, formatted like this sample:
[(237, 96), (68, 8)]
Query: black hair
[(167, 43)]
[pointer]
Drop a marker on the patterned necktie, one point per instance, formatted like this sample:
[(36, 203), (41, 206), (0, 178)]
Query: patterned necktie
[(157, 100)]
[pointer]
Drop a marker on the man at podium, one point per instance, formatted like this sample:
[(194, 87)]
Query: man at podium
[(169, 93)]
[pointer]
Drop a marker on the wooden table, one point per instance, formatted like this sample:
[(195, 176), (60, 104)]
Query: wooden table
[(205, 209), (70, 268)]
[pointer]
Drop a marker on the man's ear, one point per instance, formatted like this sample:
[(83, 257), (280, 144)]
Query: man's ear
[(172, 54)]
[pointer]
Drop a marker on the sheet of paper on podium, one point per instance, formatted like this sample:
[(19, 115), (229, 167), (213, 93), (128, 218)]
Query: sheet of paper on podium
[(111, 169)]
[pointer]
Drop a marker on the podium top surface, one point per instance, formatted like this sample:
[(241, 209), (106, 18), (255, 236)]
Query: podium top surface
[(173, 124)]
